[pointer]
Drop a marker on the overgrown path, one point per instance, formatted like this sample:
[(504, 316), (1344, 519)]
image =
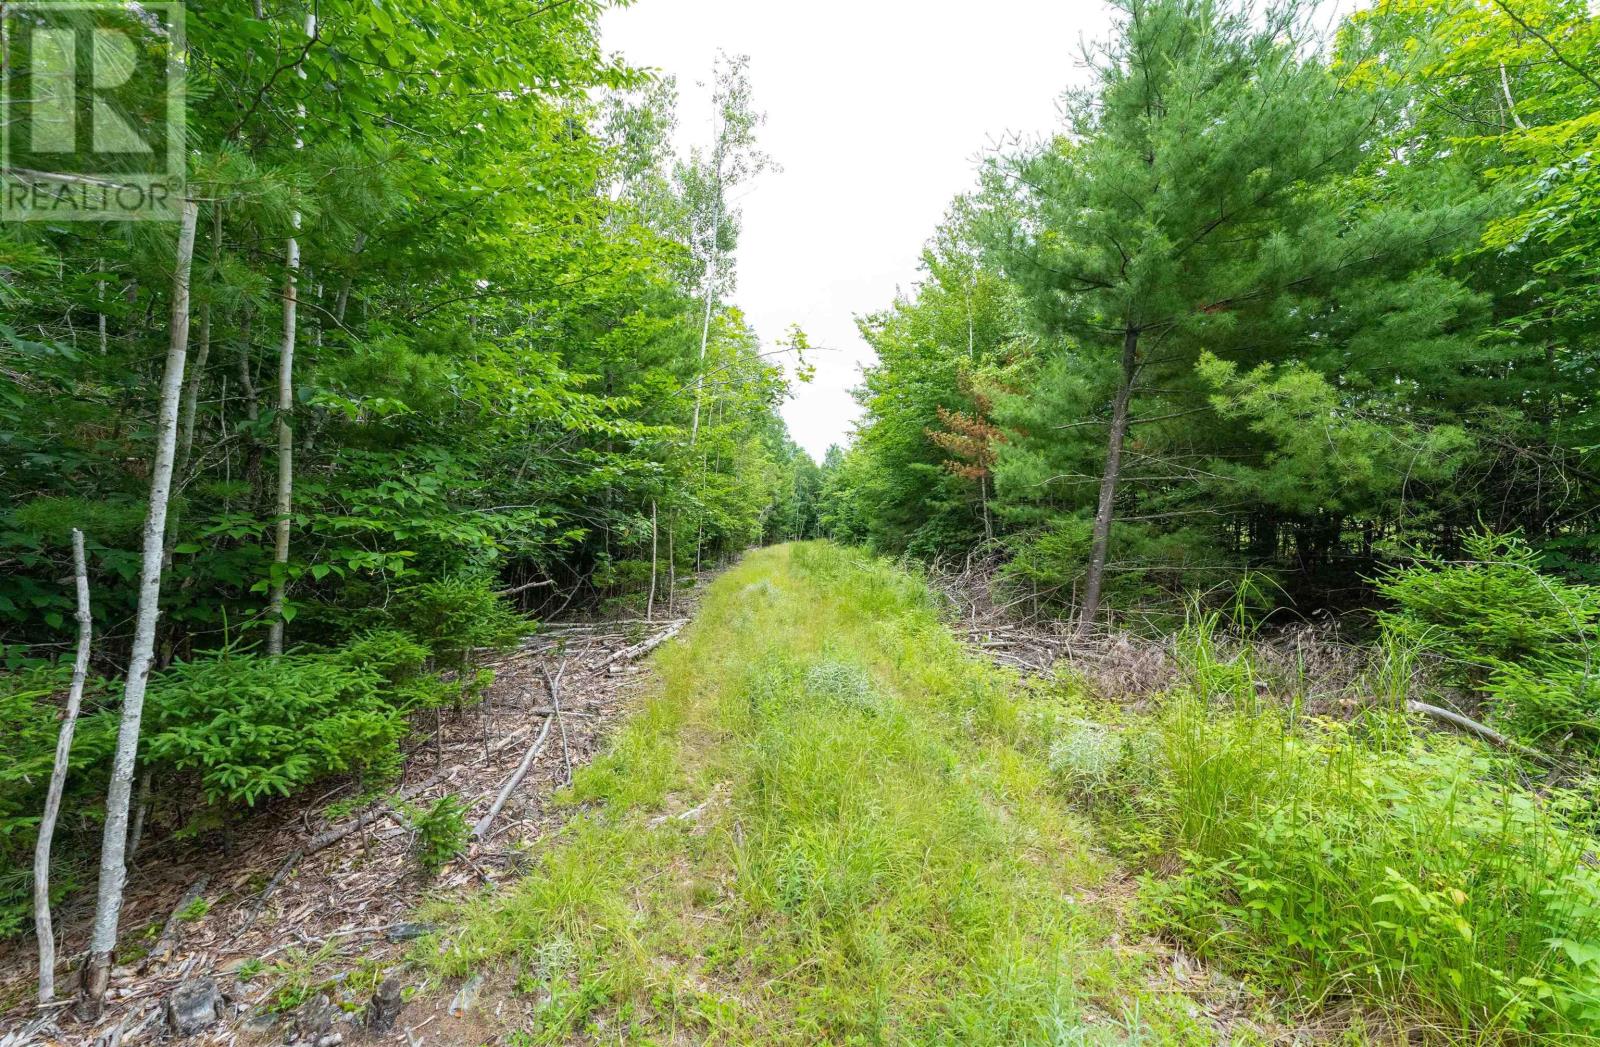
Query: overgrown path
[(818, 826)]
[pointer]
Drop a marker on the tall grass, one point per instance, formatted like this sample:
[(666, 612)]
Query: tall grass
[(814, 832), (1368, 860)]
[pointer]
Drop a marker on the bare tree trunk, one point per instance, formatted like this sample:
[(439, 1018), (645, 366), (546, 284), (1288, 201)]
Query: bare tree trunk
[(58, 779), (100, 293), (141, 811), (705, 338), (284, 503), (196, 374), (650, 605), (343, 301), (672, 564), (712, 260), (1095, 579), (113, 867)]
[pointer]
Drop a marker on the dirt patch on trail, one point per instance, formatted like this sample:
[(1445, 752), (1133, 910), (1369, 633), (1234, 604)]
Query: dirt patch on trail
[(278, 921)]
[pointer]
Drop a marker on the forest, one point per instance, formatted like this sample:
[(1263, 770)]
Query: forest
[(1194, 641)]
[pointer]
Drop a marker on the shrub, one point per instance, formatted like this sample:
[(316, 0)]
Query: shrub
[(1529, 642), (253, 727), (440, 833), (1495, 608), (1548, 702), (455, 617), (1326, 860), (402, 661)]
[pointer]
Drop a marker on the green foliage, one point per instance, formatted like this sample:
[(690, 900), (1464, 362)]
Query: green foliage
[(1155, 564), (501, 368), (402, 661), (1529, 641), (30, 710), (456, 615), (1495, 606), (1325, 862), (250, 727), (440, 833), (1343, 286)]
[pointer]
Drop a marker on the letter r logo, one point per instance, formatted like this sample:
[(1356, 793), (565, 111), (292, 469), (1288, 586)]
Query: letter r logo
[(113, 62)]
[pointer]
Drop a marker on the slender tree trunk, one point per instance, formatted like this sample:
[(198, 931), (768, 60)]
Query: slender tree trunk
[(191, 395), (672, 565), (1095, 579), (196, 374), (712, 260), (650, 605), (100, 293), (141, 811), (284, 504), (705, 339), (343, 301), (58, 779), (113, 868)]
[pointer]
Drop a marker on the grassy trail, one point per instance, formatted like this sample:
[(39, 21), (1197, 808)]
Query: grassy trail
[(816, 828)]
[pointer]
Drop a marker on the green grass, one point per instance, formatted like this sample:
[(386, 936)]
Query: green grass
[(819, 827), (1404, 870)]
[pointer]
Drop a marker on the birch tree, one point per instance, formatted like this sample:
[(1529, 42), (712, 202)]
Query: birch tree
[(707, 185), (283, 505), (113, 866), (58, 777)]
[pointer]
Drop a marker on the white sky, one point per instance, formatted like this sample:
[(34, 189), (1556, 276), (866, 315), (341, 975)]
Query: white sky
[(877, 111)]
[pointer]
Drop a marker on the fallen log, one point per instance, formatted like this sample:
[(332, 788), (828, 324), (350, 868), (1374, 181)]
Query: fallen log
[(381, 809), (628, 654), (1487, 733), (169, 930), (482, 827)]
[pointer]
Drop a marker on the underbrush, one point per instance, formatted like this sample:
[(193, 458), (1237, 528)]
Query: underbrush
[(227, 731), (1363, 860), (814, 830)]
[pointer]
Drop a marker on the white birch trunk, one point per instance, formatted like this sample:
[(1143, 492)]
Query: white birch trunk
[(113, 867), (100, 293), (650, 605), (58, 779), (705, 338), (284, 503)]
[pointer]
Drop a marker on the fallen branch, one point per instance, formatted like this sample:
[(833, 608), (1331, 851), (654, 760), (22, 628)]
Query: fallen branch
[(515, 589), (554, 684), (1488, 734), (169, 930), (381, 809), (284, 869), (628, 654), (482, 828)]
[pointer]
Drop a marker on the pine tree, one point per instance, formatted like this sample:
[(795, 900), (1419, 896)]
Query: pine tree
[(1191, 205)]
